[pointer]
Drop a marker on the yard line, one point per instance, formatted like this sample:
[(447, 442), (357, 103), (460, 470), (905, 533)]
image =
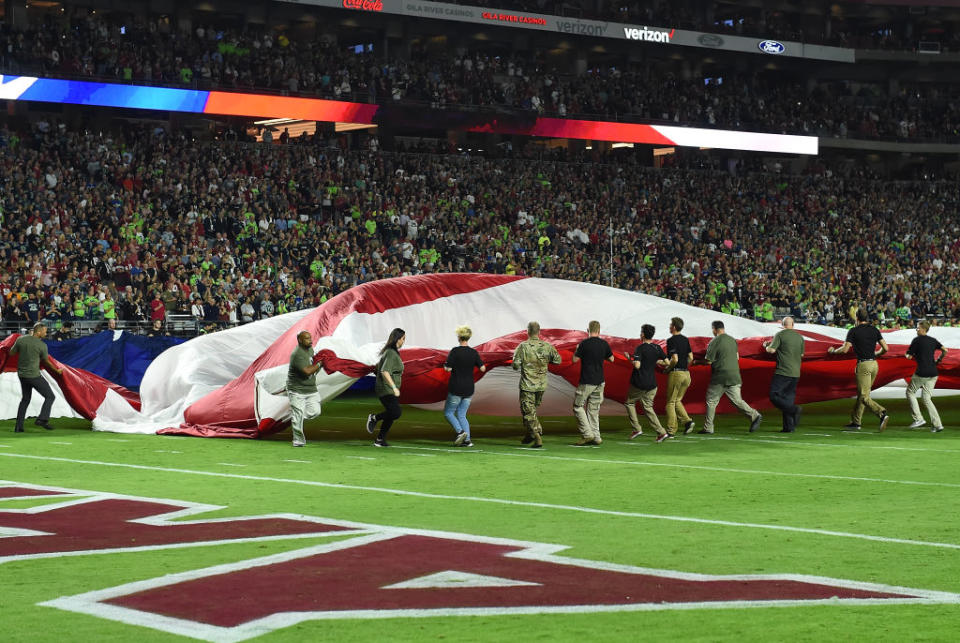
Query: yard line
[(4, 446), (54, 442), (501, 501), (698, 467), (823, 435), (164, 451), (422, 455), (359, 457), (824, 444), (300, 461), (231, 464), (115, 440)]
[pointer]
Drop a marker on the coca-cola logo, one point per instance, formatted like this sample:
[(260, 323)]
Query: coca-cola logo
[(364, 5)]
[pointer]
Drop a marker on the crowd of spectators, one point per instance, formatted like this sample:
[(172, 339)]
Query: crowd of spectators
[(140, 224), (263, 60)]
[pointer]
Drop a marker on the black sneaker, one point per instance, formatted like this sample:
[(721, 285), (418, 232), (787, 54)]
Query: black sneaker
[(18, 429), (371, 423), (755, 422), (527, 439), (380, 442), (44, 424), (786, 430), (852, 427), (704, 432), (883, 421), (688, 427), (468, 443)]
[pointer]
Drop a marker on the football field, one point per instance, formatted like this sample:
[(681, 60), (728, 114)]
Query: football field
[(819, 535)]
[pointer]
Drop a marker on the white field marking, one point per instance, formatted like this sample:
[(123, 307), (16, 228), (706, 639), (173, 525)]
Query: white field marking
[(115, 440), (94, 603), (164, 451), (5, 446), (231, 464), (696, 467), (798, 443), (300, 461), (501, 501), (441, 449), (359, 457), (75, 497), (421, 455), (64, 443), (823, 435)]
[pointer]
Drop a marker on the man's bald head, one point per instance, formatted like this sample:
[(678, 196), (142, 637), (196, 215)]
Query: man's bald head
[(787, 322)]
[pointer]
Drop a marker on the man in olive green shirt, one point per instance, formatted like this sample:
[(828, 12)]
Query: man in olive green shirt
[(302, 386), (532, 358), (788, 346), (32, 352), (724, 360)]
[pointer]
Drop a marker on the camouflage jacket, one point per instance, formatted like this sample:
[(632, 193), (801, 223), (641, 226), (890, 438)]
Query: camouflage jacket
[(532, 358)]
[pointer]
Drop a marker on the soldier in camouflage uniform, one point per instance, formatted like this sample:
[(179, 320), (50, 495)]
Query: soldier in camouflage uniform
[(531, 359)]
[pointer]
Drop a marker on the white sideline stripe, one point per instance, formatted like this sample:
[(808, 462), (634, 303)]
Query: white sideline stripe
[(697, 467), (115, 440), (421, 455), (359, 457), (834, 445), (231, 464), (499, 501), (300, 461), (5, 446), (164, 451), (65, 443)]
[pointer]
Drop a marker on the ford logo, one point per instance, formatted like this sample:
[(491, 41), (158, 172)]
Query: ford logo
[(710, 40), (771, 47)]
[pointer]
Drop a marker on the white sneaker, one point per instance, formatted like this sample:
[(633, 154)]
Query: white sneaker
[(916, 424), (461, 438)]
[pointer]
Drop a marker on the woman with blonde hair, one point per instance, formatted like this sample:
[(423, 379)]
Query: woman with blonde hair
[(460, 363)]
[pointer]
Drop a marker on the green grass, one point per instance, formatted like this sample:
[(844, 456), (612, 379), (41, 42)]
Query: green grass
[(901, 484)]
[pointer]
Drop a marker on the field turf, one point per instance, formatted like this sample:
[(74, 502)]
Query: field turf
[(864, 507)]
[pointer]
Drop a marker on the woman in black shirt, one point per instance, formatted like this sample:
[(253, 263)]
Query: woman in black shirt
[(460, 364)]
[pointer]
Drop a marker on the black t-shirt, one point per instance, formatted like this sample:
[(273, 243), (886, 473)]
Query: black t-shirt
[(592, 351), (680, 346), (922, 348), (864, 339), (648, 354), (462, 359)]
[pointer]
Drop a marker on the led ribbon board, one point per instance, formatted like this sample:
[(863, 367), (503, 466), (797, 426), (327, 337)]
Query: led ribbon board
[(75, 92)]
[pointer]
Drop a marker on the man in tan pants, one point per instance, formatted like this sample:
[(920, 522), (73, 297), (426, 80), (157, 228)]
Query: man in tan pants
[(643, 383), (923, 348), (591, 353), (864, 338), (679, 356)]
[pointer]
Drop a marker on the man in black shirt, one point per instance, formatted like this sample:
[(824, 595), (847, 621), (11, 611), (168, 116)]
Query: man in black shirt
[(863, 338), (592, 352), (643, 383), (922, 349), (679, 355)]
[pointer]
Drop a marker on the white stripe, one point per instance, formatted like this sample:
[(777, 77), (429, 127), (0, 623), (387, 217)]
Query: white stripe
[(501, 501), (299, 461), (798, 443), (65, 443), (230, 464), (697, 467)]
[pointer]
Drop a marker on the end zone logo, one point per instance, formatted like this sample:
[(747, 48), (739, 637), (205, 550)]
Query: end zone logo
[(371, 571), (648, 35), (364, 5)]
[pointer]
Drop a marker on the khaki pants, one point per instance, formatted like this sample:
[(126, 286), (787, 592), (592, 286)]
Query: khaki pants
[(677, 384), (925, 385), (302, 406), (586, 408), (866, 374), (529, 401), (715, 392), (646, 401)]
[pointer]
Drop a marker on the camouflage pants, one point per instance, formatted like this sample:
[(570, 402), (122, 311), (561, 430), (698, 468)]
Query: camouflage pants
[(529, 401)]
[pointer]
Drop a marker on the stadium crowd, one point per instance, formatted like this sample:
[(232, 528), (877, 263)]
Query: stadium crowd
[(141, 223), (210, 57)]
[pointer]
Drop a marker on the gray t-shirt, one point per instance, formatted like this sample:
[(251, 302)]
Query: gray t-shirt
[(31, 351), (789, 346)]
